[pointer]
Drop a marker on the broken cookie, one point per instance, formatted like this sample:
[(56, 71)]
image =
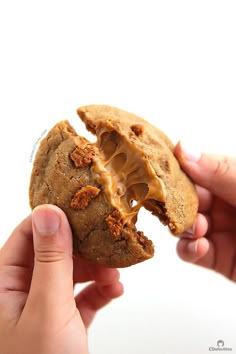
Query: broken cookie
[(102, 186)]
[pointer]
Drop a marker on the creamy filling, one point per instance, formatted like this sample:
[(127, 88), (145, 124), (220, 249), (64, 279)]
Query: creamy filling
[(128, 179)]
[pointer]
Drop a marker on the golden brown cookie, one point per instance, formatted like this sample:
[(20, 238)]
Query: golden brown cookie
[(101, 186)]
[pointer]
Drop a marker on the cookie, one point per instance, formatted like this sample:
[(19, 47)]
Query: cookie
[(102, 186)]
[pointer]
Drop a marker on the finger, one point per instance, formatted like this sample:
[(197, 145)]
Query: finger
[(52, 280), (18, 249), (87, 271), (200, 251), (205, 199), (13, 278), (105, 276), (215, 173), (16, 263), (14, 286), (199, 229), (94, 297)]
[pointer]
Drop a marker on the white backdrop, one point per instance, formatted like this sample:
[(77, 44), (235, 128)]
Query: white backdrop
[(171, 62)]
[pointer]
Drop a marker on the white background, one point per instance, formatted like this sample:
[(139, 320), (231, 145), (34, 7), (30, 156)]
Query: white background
[(174, 64)]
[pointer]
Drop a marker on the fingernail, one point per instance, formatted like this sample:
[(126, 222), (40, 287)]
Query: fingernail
[(189, 155), (192, 247), (46, 220), (191, 230)]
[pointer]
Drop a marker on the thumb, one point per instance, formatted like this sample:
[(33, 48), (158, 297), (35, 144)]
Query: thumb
[(216, 173), (52, 280)]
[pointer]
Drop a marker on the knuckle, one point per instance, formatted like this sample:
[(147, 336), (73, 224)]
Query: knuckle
[(222, 167), (49, 256)]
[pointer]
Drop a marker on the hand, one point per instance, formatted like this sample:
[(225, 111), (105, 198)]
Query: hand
[(38, 311), (212, 241)]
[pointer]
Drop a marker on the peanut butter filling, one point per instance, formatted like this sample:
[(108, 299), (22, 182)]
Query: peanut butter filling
[(128, 179)]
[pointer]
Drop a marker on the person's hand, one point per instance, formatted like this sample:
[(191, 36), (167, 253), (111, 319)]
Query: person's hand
[(211, 242), (38, 311)]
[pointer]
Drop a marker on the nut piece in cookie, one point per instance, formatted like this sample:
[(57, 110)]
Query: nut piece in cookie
[(83, 197), (115, 223), (101, 186), (82, 157)]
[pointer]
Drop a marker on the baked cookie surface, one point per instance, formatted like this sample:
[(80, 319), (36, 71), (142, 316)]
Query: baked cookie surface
[(101, 186)]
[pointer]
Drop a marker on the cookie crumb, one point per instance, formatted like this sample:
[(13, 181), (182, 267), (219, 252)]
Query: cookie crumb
[(82, 198), (82, 157), (137, 129), (115, 223)]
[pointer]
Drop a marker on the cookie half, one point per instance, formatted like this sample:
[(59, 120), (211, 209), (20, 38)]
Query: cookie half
[(101, 186)]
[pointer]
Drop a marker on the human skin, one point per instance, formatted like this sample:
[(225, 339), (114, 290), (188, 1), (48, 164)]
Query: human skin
[(211, 242), (38, 311)]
